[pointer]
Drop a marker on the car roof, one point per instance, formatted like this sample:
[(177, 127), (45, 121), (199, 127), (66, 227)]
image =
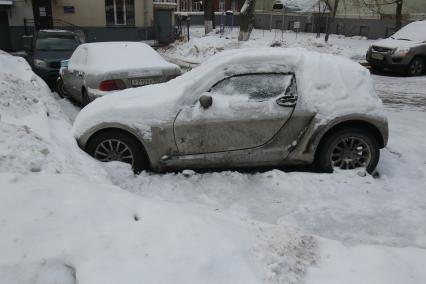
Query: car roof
[(56, 32)]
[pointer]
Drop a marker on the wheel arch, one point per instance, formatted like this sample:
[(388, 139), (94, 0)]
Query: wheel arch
[(356, 123), (123, 130)]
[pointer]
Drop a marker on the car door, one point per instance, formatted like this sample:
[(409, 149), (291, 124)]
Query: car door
[(246, 112)]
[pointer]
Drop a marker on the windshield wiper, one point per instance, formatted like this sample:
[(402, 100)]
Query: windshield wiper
[(404, 39)]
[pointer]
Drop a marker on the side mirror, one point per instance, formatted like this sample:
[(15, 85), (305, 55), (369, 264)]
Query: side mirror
[(28, 43), (206, 101)]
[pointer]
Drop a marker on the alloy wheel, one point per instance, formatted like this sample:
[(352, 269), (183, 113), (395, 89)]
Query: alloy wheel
[(350, 153), (416, 68), (114, 150)]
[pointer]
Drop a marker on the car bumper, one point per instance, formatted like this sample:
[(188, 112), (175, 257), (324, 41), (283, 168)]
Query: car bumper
[(389, 61)]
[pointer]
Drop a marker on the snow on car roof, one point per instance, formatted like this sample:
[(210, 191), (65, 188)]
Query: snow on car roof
[(328, 85), (415, 31), (103, 57)]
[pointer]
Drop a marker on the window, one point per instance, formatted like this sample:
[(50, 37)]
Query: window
[(57, 42), (258, 87), (120, 12)]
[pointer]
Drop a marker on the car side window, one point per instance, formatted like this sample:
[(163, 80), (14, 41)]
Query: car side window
[(257, 87)]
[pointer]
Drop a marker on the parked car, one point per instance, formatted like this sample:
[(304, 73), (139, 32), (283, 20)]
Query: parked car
[(243, 108), (97, 69), (47, 49), (403, 51)]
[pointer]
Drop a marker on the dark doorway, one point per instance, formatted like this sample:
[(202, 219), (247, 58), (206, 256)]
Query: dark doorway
[(4, 31), (163, 27), (42, 10)]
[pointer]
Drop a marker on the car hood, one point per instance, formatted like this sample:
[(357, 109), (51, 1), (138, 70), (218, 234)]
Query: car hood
[(395, 43)]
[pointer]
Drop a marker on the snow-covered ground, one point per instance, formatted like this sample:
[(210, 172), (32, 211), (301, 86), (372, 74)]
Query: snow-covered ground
[(64, 216)]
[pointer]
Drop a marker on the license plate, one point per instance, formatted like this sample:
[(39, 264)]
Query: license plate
[(377, 56), (144, 81)]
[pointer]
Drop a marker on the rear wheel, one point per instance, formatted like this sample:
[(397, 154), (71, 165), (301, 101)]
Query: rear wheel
[(416, 67), (348, 149), (116, 145)]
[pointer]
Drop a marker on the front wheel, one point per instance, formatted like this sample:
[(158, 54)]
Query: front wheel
[(116, 145), (416, 67), (348, 149)]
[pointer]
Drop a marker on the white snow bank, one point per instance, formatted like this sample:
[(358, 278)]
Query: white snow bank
[(100, 234), (104, 57), (327, 85), (34, 133), (367, 264)]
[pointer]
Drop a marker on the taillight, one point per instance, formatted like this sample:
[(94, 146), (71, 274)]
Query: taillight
[(111, 85)]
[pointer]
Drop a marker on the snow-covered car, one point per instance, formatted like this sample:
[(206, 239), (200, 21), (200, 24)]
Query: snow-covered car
[(97, 69), (243, 108), (404, 51)]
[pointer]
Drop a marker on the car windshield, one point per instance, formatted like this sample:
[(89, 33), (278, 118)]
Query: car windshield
[(412, 32), (56, 42)]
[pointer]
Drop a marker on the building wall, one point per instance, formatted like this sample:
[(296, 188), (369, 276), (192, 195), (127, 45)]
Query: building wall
[(92, 13)]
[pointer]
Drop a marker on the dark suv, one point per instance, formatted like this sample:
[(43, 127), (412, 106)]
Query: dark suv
[(404, 51), (46, 50)]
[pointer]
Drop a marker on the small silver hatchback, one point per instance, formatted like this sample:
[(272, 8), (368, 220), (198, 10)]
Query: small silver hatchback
[(243, 108)]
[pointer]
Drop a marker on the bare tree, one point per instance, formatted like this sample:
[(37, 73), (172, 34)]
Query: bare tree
[(246, 20), (375, 6), (333, 9), (208, 16)]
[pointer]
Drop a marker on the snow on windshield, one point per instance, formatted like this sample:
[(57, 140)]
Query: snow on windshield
[(415, 31)]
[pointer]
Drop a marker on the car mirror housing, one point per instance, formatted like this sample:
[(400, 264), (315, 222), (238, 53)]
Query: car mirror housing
[(206, 101)]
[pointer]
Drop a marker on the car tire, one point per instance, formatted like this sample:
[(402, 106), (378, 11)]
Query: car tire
[(348, 148), (84, 97), (416, 67), (117, 145), (60, 88)]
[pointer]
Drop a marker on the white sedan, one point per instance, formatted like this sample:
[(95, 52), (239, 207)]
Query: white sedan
[(96, 69)]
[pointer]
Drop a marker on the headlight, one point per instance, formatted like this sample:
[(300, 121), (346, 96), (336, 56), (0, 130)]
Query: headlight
[(40, 63), (401, 51)]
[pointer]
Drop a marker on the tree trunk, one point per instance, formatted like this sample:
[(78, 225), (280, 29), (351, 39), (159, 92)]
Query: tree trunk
[(246, 20), (398, 15), (333, 16), (208, 16)]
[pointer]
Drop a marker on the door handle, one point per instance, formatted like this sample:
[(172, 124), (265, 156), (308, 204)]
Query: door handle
[(287, 101)]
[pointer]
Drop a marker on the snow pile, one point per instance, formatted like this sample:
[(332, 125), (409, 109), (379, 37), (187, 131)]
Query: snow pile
[(200, 47), (327, 85), (33, 130)]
